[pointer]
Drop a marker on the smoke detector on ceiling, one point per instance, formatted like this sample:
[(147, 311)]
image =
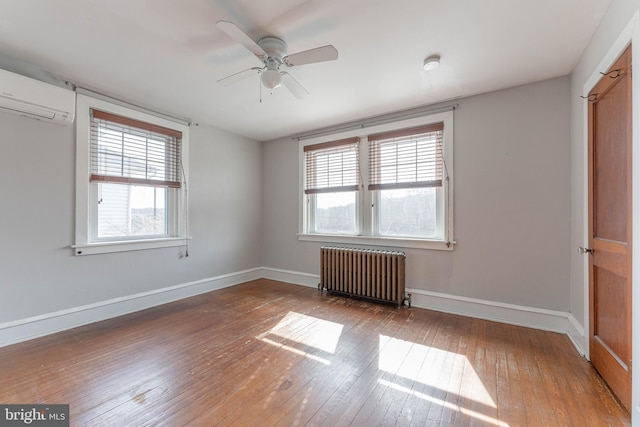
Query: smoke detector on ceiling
[(431, 63)]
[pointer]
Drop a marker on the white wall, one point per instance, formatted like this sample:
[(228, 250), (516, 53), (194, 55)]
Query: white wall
[(620, 26), (38, 272), (512, 203)]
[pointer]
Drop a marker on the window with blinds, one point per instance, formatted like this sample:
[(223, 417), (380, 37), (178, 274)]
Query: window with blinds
[(405, 175), (131, 178), (332, 167), (129, 151), (135, 171), (387, 183), (409, 158), (331, 184)]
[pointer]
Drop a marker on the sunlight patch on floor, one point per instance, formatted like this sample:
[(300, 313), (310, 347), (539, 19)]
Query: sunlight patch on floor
[(482, 417), (298, 333), (296, 351), (308, 330), (425, 364)]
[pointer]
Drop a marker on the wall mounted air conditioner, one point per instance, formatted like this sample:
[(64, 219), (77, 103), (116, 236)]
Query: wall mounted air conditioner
[(35, 99)]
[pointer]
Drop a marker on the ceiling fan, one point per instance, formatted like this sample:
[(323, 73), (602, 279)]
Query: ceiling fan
[(272, 52)]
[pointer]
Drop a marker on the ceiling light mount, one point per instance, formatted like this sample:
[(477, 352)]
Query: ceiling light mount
[(431, 62), (271, 77)]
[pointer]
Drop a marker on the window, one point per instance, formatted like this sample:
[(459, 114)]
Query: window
[(388, 184), (131, 179), (331, 186), (405, 174)]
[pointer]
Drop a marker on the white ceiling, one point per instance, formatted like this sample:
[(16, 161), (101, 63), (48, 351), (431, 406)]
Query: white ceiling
[(168, 54)]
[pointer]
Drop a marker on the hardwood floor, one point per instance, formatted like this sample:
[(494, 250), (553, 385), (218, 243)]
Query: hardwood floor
[(268, 353)]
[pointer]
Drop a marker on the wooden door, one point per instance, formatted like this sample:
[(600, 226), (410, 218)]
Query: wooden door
[(610, 227)]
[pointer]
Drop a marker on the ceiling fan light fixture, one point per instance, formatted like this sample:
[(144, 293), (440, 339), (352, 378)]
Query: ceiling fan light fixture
[(431, 63), (271, 79)]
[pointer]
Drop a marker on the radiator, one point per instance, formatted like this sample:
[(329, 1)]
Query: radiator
[(370, 274)]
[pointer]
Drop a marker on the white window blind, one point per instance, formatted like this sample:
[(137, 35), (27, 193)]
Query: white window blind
[(332, 167), (408, 158), (129, 151)]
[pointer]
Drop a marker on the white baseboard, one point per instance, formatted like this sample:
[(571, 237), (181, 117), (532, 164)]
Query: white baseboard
[(538, 318), (578, 337), (304, 279), (530, 317), (37, 326)]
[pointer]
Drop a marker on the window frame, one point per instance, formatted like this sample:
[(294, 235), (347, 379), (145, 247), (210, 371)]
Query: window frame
[(85, 224), (310, 201), (406, 171), (367, 198)]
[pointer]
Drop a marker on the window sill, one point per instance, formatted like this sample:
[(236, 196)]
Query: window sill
[(128, 245), (398, 242)]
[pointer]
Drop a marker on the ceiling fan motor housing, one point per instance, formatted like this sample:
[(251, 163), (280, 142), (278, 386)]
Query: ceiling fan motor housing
[(276, 48)]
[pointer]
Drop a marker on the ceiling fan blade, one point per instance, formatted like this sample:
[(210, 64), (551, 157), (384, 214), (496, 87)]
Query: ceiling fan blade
[(319, 54), (294, 87), (238, 35), (234, 78)]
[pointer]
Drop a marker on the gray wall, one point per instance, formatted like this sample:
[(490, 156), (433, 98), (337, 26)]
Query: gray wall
[(512, 202), (39, 274)]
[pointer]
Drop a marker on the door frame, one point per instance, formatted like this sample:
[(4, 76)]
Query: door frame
[(630, 35)]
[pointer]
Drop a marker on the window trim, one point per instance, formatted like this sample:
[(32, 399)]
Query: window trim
[(366, 216), (83, 243)]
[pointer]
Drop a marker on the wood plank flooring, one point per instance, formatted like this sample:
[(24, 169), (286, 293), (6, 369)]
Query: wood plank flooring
[(267, 353)]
